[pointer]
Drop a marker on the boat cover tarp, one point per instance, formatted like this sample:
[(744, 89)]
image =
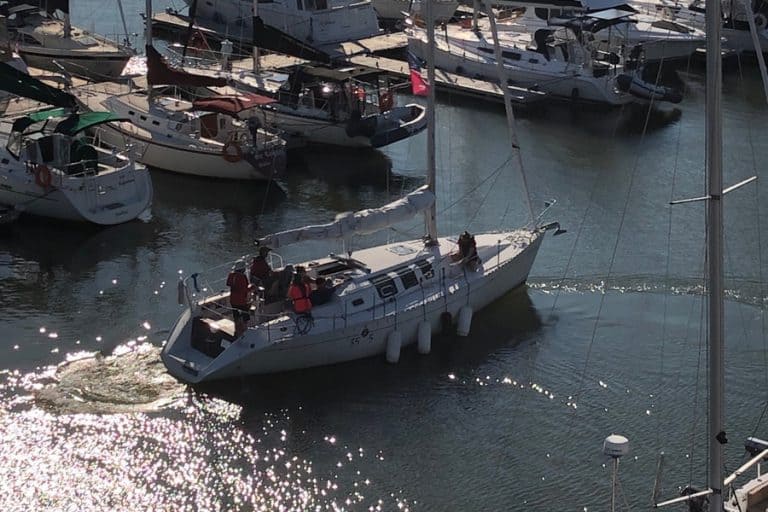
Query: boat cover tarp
[(15, 82), (231, 105), (69, 124), (160, 73), (362, 222)]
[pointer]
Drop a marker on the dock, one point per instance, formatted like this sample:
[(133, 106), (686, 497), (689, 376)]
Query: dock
[(374, 52), (451, 82)]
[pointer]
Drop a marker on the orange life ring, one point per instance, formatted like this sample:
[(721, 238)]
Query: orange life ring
[(43, 176), (232, 157)]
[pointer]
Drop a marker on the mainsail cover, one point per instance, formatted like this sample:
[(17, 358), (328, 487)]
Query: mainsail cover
[(362, 222)]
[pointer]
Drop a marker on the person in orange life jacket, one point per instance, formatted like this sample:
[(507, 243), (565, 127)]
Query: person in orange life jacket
[(298, 293), (239, 290)]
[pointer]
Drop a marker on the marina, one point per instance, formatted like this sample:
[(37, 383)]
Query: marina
[(132, 381)]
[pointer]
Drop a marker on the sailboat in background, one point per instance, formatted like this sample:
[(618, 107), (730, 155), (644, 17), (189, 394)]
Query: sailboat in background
[(383, 297), (48, 41), (49, 168), (218, 139)]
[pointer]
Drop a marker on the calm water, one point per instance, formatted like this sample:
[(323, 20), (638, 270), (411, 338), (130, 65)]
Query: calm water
[(607, 336)]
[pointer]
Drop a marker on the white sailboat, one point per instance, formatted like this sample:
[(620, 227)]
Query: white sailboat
[(204, 139), (384, 297), (49, 168), (48, 42), (564, 60), (719, 495)]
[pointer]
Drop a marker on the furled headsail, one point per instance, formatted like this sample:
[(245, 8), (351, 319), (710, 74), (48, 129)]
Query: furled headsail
[(362, 222)]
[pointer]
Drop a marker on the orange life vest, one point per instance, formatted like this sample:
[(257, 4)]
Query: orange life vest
[(299, 294)]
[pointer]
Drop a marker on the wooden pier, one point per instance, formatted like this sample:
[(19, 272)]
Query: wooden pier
[(365, 52), (451, 82)]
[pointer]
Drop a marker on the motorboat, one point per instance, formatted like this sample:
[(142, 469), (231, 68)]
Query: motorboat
[(46, 41), (320, 23), (49, 167)]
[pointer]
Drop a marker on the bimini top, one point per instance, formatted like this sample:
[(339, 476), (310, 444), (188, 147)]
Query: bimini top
[(231, 105), (60, 120), (598, 20)]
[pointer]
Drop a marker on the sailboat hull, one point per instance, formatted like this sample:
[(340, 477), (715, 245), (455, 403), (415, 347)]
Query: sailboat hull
[(275, 347), (99, 66)]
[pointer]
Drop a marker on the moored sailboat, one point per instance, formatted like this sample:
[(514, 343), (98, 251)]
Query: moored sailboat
[(50, 168)]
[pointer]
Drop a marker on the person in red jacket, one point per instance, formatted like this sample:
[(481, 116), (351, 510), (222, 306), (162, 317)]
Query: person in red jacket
[(298, 293), (239, 291)]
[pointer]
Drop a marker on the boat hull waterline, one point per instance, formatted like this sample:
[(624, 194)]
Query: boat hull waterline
[(364, 334)]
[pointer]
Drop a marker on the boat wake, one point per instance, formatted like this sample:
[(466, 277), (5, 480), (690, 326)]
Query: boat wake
[(132, 379)]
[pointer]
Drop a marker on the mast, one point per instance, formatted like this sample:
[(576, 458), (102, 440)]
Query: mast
[(714, 141), (148, 24), (253, 38), (504, 85), (430, 216)]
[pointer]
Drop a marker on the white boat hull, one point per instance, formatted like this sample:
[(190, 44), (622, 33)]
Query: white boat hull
[(273, 348), (340, 21), (397, 124), (101, 66), (105, 199), (193, 162), (574, 85)]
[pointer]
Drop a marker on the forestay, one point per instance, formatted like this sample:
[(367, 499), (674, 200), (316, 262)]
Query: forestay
[(362, 222)]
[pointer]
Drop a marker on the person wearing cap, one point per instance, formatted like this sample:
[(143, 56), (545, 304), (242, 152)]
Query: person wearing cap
[(239, 290)]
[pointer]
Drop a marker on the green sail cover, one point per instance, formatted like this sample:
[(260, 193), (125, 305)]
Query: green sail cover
[(70, 125), (15, 82)]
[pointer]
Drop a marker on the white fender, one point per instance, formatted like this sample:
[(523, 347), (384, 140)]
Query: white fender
[(394, 341), (465, 321), (425, 337)]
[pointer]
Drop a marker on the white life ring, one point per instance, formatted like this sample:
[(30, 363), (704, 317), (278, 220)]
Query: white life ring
[(760, 21)]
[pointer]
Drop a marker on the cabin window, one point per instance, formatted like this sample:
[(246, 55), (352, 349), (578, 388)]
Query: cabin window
[(143, 118), (426, 269), (156, 123), (385, 285), (408, 277), (533, 61), (510, 55), (485, 50), (131, 112), (357, 302)]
